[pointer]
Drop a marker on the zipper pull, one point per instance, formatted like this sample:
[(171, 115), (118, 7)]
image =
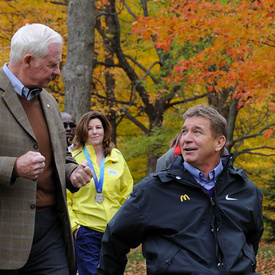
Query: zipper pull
[(212, 202)]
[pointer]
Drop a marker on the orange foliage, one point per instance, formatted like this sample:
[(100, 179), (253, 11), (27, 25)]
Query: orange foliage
[(15, 14), (238, 44)]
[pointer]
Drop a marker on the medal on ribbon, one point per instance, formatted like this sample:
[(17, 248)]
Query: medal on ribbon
[(99, 197)]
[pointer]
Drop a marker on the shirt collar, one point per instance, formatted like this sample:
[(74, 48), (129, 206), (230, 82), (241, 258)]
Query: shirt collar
[(197, 174), (18, 86), (15, 82)]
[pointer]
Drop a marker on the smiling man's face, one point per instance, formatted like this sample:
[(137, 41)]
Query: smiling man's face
[(198, 145)]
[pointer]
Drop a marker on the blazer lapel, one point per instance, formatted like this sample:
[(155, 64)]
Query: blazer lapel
[(11, 99)]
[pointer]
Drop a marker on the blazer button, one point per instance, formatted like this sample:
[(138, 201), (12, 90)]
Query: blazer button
[(35, 146), (32, 206)]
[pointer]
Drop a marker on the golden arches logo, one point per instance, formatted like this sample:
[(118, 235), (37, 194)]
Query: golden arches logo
[(184, 198)]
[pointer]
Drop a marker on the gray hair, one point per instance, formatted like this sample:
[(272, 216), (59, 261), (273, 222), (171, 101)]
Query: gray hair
[(217, 121), (33, 39)]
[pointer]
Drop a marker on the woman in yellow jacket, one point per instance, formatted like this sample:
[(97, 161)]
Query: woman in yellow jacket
[(92, 207)]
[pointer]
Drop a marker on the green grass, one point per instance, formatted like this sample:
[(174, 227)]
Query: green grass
[(266, 258), (136, 262), (267, 251)]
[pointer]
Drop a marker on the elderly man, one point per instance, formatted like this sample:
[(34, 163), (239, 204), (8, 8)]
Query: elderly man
[(198, 216), (35, 234)]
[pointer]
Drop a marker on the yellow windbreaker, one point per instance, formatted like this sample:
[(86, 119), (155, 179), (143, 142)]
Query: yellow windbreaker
[(117, 185)]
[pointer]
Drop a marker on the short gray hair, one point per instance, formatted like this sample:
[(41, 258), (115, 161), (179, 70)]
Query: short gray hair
[(33, 39), (217, 121)]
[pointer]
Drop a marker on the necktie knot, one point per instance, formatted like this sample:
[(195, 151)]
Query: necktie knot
[(30, 93)]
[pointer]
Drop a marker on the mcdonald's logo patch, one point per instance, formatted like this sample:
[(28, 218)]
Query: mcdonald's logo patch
[(184, 198)]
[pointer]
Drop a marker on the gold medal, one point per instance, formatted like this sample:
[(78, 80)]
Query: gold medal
[(99, 197)]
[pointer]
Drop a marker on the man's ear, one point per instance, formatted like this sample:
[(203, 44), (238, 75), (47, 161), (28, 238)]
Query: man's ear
[(27, 60), (220, 143)]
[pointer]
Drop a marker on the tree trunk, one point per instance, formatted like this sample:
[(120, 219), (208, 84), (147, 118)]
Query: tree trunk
[(231, 122), (110, 79), (78, 70)]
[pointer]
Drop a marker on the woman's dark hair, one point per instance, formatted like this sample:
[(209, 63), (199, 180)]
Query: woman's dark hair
[(81, 131)]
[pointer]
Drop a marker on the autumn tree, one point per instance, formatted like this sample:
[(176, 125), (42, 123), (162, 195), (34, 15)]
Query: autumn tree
[(155, 59), (140, 101), (236, 64), (196, 49)]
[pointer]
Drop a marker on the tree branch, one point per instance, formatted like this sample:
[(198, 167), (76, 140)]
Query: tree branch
[(259, 133), (187, 100), (59, 3), (135, 121), (251, 151), (129, 10)]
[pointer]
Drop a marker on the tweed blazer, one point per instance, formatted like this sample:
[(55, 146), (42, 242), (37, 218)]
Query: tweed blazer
[(18, 198)]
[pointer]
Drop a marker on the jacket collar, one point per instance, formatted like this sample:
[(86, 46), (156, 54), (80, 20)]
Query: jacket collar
[(112, 157), (176, 171)]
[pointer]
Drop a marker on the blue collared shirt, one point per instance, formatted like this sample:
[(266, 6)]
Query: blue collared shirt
[(201, 177), (18, 86)]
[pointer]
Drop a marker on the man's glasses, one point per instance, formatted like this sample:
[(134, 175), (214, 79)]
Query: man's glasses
[(70, 125)]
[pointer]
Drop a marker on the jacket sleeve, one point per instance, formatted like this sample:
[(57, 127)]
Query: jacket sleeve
[(125, 231), (71, 165), (6, 171), (256, 229)]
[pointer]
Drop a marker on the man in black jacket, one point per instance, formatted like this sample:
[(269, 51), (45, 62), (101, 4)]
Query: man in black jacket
[(198, 216)]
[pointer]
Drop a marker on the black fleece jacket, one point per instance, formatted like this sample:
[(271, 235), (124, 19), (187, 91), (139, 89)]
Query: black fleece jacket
[(182, 229)]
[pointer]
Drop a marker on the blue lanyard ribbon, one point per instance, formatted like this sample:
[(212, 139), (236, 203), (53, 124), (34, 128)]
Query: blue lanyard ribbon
[(98, 185)]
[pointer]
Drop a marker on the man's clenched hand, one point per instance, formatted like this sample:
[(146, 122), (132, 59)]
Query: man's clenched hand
[(29, 165), (81, 175)]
